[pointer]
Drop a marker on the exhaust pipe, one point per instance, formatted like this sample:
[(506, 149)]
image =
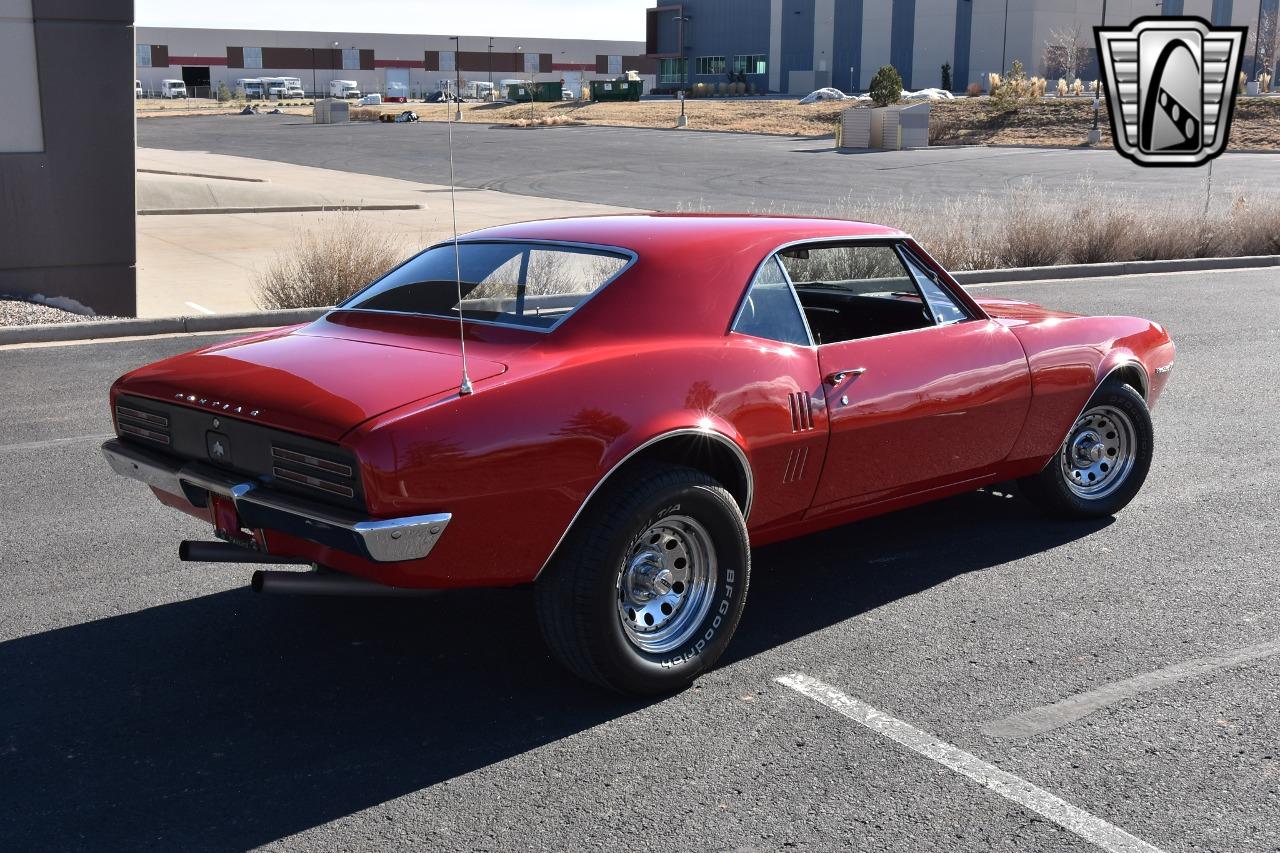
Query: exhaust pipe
[(327, 582), (224, 552)]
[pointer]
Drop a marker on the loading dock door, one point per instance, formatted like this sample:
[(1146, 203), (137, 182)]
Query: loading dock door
[(197, 79), (397, 83)]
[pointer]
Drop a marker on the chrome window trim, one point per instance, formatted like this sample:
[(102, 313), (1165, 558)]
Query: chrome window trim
[(708, 433), (742, 300), (632, 258)]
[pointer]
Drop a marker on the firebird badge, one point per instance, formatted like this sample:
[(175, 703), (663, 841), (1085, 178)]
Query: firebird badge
[(1171, 86)]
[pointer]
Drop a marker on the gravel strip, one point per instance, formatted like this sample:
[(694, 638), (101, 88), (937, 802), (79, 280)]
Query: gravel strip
[(15, 312)]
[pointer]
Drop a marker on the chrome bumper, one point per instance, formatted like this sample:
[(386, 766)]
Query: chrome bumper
[(383, 540)]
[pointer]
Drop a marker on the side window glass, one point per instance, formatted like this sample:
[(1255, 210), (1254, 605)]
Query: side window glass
[(770, 309), (944, 307), (854, 291)]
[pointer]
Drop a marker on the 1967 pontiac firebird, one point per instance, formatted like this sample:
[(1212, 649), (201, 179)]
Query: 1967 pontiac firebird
[(617, 408)]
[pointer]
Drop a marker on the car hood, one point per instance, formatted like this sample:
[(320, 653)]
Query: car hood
[(317, 386), (1020, 312)]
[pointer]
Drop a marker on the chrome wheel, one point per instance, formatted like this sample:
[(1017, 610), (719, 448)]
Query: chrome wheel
[(1099, 453), (665, 584)]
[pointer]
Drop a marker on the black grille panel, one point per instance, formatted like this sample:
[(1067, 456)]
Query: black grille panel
[(143, 424), (316, 472), (292, 463)]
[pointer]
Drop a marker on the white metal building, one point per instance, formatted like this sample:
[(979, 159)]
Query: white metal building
[(205, 59)]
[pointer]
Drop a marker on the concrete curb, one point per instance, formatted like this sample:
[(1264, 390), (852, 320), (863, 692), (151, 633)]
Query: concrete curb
[(297, 208), (95, 330), (1113, 269)]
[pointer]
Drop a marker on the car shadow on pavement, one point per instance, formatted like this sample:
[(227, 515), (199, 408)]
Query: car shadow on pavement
[(233, 720)]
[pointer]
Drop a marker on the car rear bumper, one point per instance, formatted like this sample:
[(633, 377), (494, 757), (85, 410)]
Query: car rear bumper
[(387, 540)]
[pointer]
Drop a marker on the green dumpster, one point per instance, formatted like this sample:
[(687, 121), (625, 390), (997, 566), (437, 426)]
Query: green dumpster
[(535, 91), (616, 90)]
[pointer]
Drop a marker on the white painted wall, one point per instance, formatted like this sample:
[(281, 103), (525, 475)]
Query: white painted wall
[(935, 31), (877, 29), (21, 128)]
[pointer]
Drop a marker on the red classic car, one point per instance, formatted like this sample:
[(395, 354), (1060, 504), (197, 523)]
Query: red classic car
[(616, 409)]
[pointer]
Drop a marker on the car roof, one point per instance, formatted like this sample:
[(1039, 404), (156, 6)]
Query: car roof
[(670, 231), (697, 264)]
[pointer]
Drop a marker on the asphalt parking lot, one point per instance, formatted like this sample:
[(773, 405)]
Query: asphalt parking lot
[(671, 170), (1129, 668)]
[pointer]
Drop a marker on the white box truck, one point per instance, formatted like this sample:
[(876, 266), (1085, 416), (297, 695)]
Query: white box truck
[(173, 89), (293, 87), (343, 89), (250, 87), (275, 87)]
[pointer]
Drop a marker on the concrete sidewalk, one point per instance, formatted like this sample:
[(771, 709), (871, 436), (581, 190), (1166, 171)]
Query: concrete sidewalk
[(206, 262)]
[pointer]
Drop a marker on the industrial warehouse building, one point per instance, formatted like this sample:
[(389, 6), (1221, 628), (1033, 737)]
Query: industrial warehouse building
[(797, 46), (206, 59)]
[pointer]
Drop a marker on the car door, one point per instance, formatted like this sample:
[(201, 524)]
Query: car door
[(921, 392)]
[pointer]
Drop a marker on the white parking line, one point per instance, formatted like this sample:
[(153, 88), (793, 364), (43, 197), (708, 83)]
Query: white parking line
[(200, 308), (53, 442), (1090, 828), (1048, 717)]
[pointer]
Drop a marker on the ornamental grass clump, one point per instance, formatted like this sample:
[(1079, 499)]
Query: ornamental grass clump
[(326, 264)]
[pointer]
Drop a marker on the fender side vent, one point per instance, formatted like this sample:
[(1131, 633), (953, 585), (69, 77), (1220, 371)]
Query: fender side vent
[(795, 465), (801, 411)]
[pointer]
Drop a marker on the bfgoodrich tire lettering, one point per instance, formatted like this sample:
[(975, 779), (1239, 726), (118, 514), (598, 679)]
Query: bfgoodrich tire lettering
[(648, 588), (1104, 460)]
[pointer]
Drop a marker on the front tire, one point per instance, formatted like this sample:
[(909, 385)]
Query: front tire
[(1104, 460), (646, 591)]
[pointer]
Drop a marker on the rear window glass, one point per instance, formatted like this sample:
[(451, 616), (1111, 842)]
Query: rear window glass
[(532, 285)]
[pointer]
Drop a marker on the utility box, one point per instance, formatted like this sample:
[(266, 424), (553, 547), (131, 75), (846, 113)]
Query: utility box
[(854, 130), (616, 90), (900, 126), (331, 111)]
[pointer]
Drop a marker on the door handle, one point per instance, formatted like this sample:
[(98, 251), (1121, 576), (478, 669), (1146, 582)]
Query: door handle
[(841, 375)]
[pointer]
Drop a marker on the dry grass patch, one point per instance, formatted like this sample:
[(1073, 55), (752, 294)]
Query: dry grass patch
[(326, 264)]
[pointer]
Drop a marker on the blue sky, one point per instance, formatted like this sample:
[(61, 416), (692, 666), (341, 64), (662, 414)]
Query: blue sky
[(602, 19)]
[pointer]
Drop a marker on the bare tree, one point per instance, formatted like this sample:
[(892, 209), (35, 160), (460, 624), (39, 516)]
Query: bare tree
[(1264, 35), (1064, 54)]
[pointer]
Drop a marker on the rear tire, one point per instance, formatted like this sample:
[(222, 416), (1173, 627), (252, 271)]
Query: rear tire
[(1103, 462), (645, 593)]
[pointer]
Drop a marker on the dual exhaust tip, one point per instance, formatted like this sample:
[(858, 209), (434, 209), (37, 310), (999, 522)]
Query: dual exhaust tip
[(318, 581)]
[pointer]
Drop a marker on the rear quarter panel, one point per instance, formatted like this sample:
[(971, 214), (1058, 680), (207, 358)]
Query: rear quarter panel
[(515, 461)]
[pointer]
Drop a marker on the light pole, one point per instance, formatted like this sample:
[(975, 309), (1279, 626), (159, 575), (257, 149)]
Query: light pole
[(1257, 47), (1095, 134), (682, 20), (491, 63), (1004, 44), (333, 61), (457, 73)]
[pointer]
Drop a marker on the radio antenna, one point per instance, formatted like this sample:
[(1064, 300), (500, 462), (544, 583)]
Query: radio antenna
[(465, 388)]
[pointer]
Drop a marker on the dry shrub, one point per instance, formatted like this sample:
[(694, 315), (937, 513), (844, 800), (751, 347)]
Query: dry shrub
[(973, 90), (326, 264), (365, 113)]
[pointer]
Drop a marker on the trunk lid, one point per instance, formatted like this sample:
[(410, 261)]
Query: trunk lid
[(320, 386)]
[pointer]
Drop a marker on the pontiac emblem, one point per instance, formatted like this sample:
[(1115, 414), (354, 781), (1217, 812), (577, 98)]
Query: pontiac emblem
[(218, 405), (1171, 85)]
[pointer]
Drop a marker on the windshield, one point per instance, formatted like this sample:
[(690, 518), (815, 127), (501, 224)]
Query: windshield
[(531, 285)]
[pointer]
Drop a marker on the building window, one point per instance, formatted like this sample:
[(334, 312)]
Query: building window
[(671, 70), (754, 63), (709, 65), (447, 61), (144, 56), (532, 63), (350, 59), (253, 57), (615, 65)]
